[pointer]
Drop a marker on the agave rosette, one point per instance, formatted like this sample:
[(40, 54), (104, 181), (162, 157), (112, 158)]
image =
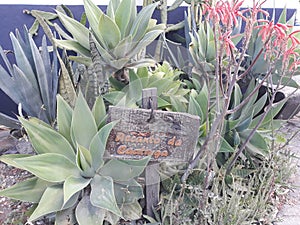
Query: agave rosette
[(120, 35), (70, 171)]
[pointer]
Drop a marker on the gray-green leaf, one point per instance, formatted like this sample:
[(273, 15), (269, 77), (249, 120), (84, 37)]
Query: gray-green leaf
[(51, 167), (87, 214), (102, 194)]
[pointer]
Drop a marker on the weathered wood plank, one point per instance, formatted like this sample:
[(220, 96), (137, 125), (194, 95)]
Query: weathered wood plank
[(168, 136)]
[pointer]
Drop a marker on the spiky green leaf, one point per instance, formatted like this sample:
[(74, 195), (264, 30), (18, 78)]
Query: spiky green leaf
[(141, 22), (74, 46)]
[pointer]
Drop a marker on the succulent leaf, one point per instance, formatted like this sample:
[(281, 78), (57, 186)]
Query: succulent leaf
[(121, 16), (46, 140), (141, 22), (128, 192), (51, 201), (9, 159), (73, 185), (98, 145), (84, 161), (78, 31), (102, 194), (194, 107), (30, 190), (109, 31), (64, 118), (83, 126), (51, 167), (87, 214), (124, 170), (73, 45), (99, 112), (257, 144), (132, 211)]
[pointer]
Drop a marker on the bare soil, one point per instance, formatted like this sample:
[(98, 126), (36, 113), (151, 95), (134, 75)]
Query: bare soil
[(13, 212)]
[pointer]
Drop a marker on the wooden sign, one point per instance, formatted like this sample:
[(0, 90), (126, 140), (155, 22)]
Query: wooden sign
[(161, 134)]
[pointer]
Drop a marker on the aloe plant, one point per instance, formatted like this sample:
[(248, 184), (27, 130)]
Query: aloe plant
[(32, 81), (72, 177), (256, 63)]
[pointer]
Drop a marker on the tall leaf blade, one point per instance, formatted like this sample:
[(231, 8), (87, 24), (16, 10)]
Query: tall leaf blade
[(121, 17), (83, 126), (109, 31), (64, 118), (42, 79), (98, 145), (141, 22), (99, 111), (194, 108), (83, 161), (145, 41), (132, 17), (93, 13), (6, 61), (23, 62), (8, 84)]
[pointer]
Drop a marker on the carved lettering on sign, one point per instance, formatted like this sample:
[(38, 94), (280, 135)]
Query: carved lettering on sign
[(169, 135)]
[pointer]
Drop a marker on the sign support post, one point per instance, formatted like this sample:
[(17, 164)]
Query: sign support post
[(152, 180)]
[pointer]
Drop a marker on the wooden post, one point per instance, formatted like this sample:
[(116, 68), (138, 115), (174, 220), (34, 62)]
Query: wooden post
[(149, 101)]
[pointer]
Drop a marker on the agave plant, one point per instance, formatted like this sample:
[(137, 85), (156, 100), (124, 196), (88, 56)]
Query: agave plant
[(32, 81), (170, 91), (72, 177), (241, 122), (120, 35)]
